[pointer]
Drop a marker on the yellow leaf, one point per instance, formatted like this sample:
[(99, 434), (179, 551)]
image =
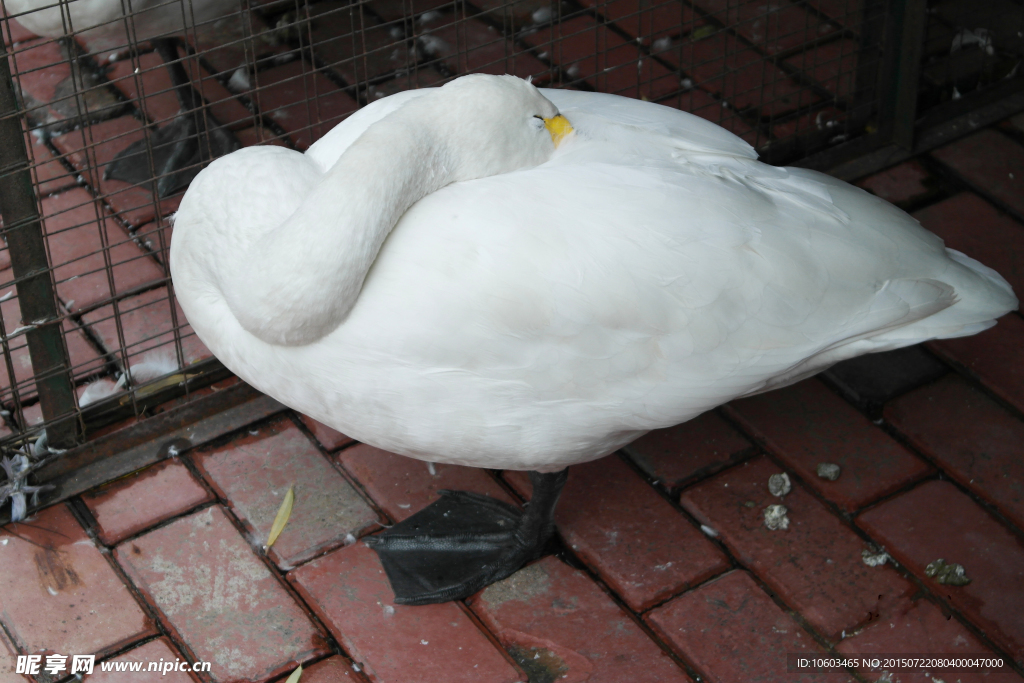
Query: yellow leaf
[(297, 674), (283, 514), (703, 32)]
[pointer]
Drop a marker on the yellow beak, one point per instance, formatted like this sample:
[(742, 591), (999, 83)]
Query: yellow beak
[(558, 127)]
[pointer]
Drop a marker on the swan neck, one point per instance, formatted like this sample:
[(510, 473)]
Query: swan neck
[(304, 276)]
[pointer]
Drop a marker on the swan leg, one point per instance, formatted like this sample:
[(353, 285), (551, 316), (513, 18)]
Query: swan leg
[(465, 541), (179, 148)]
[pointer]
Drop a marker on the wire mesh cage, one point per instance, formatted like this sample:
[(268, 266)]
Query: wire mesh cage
[(112, 106)]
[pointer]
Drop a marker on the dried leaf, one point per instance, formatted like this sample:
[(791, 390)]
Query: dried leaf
[(297, 674), (283, 513)]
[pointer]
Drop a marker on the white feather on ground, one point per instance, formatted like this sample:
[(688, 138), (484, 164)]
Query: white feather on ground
[(153, 365)]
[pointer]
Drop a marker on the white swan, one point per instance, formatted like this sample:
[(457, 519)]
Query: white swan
[(106, 20), (434, 278), (193, 137)]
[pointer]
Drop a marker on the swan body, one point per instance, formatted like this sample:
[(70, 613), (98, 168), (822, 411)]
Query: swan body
[(104, 20), (425, 281)]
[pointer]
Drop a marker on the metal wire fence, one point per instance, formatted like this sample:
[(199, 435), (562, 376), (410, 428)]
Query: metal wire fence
[(89, 327)]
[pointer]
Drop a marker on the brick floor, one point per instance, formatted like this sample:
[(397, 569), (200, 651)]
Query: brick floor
[(472, 46), (968, 223), (588, 51), (330, 670), (158, 650), (43, 69), (870, 381), (833, 65), (59, 594), (85, 359), (402, 486), (213, 594), (648, 21), (902, 184), (730, 630), (975, 440), (84, 246), (775, 27), (49, 175), (632, 537), (158, 98), (147, 327), (720, 64), (8, 655), (358, 56), (806, 424), (815, 565), (990, 162), (996, 357), (557, 621), (305, 104), (348, 590), (254, 473), (923, 628), (935, 521), (158, 493), (330, 439), (677, 455)]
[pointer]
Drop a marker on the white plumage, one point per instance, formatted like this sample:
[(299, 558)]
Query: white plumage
[(647, 270), (104, 20)]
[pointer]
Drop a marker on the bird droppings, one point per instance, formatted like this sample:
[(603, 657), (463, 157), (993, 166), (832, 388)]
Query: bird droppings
[(828, 470), (873, 556), (540, 664), (349, 540), (389, 611), (951, 574), (775, 517), (709, 531), (779, 485)]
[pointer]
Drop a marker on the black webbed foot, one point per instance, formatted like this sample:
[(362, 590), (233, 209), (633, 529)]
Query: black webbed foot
[(179, 148), (465, 541)]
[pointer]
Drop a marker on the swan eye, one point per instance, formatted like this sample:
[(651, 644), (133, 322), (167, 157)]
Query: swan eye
[(537, 122)]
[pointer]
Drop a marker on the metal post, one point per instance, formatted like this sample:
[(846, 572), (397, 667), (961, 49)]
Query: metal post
[(904, 42), (27, 247), (911, 31)]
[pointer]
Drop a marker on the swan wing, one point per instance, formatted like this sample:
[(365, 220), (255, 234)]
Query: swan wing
[(660, 124), (679, 129), (629, 297)]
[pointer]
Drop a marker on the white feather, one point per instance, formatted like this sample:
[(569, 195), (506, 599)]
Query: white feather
[(154, 364), (645, 272), (97, 391)]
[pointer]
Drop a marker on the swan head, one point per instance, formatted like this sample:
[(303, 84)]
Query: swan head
[(297, 239), (492, 124)]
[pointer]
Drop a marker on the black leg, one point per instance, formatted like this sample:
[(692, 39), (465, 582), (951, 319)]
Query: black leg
[(179, 148), (466, 541)]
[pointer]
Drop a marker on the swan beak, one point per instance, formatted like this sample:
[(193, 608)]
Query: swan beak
[(558, 127)]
